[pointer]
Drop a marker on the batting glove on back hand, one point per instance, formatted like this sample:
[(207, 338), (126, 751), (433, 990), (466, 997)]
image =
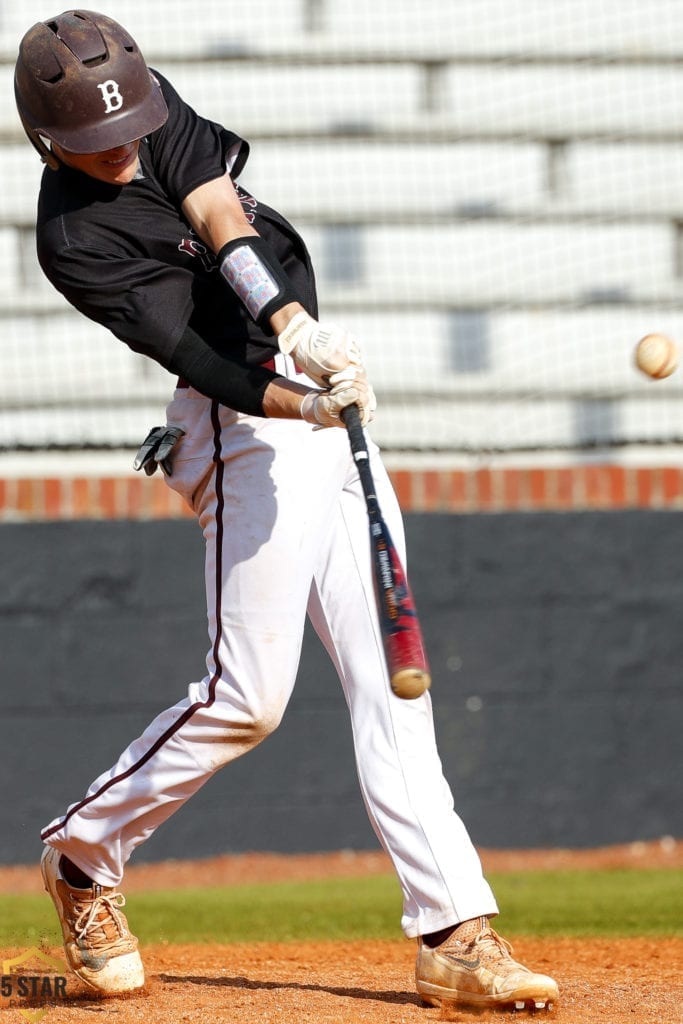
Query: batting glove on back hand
[(318, 351), (349, 387)]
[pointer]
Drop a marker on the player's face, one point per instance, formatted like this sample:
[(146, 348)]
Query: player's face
[(115, 166)]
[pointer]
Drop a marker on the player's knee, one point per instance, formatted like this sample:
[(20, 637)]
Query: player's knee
[(248, 715), (233, 731), (263, 717)]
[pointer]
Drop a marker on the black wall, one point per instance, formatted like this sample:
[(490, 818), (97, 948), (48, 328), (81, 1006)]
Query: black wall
[(556, 648)]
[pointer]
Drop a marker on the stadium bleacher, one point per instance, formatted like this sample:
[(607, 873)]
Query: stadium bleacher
[(492, 195)]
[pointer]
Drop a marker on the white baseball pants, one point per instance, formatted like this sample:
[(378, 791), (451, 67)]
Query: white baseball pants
[(284, 520)]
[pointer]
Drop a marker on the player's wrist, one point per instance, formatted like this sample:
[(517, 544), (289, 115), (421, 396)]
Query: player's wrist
[(281, 318), (298, 329)]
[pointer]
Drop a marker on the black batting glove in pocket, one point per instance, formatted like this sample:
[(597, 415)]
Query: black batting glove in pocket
[(156, 450)]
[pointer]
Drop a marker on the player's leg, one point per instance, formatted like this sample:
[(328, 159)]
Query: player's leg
[(252, 491), (257, 590), (406, 795), (251, 667)]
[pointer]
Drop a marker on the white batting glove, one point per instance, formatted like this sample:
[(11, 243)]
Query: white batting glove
[(318, 351), (349, 386)]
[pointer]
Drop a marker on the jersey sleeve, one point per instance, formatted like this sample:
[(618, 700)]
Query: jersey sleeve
[(190, 150), (145, 303)]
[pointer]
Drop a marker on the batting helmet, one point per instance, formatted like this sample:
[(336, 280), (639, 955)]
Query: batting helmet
[(81, 81)]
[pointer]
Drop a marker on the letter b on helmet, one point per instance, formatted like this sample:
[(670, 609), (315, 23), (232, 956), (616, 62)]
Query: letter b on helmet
[(113, 100)]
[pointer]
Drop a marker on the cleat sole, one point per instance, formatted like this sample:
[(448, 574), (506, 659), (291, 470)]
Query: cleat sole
[(532, 1004)]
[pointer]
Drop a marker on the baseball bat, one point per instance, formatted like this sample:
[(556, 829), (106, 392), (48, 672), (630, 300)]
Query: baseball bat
[(401, 633)]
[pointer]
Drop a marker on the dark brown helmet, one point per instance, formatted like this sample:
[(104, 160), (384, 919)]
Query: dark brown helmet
[(81, 81)]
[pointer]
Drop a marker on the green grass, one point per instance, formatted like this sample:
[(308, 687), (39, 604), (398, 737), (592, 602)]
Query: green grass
[(603, 903), (618, 903)]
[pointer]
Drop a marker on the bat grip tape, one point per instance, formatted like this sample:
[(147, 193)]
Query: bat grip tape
[(351, 417)]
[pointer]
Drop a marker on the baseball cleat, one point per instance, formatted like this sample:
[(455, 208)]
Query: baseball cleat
[(98, 944), (480, 972)]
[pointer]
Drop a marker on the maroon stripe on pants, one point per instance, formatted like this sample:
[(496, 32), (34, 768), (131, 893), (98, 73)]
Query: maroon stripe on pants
[(189, 712)]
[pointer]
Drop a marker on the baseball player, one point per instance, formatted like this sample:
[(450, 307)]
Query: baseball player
[(143, 227)]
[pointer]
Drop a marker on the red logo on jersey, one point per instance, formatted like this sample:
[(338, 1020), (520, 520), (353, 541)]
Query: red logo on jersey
[(193, 247)]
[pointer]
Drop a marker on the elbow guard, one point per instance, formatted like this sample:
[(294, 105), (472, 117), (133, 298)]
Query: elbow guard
[(254, 273)]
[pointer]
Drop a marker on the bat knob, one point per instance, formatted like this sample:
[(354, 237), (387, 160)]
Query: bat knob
[(410, 683)]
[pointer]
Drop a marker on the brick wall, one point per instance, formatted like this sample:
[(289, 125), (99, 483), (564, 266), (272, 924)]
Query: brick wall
[(89, 497), (556, 488)]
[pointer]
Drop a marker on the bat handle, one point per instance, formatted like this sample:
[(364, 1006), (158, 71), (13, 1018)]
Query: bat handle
[(351, 418)]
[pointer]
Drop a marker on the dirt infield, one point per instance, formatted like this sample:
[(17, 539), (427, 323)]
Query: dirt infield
[(602, 981)]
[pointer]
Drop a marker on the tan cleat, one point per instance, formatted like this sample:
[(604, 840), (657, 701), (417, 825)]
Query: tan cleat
[(478, 970), (99, 947)]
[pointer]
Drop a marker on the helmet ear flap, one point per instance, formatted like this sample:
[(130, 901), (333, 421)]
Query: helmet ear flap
[(44, 151)]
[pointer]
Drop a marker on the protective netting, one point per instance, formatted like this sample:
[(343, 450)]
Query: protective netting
[(492, 194)]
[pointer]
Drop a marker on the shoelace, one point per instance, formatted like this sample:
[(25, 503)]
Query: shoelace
[(98, 915), (488, 945), (493, 947)]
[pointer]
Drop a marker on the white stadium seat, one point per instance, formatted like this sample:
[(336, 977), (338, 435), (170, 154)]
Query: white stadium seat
[(502, 261), (498, 28), (366, 181)]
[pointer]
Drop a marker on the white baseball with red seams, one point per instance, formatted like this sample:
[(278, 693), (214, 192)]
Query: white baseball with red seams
[(656, 356), (282, 513)]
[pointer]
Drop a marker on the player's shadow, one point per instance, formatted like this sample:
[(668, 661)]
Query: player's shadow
[(249, 983)]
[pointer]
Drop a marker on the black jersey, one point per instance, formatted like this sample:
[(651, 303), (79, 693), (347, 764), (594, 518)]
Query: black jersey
[(126, 257)]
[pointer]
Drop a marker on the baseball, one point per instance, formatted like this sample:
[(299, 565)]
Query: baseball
[(409, 683), (656, 355)]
